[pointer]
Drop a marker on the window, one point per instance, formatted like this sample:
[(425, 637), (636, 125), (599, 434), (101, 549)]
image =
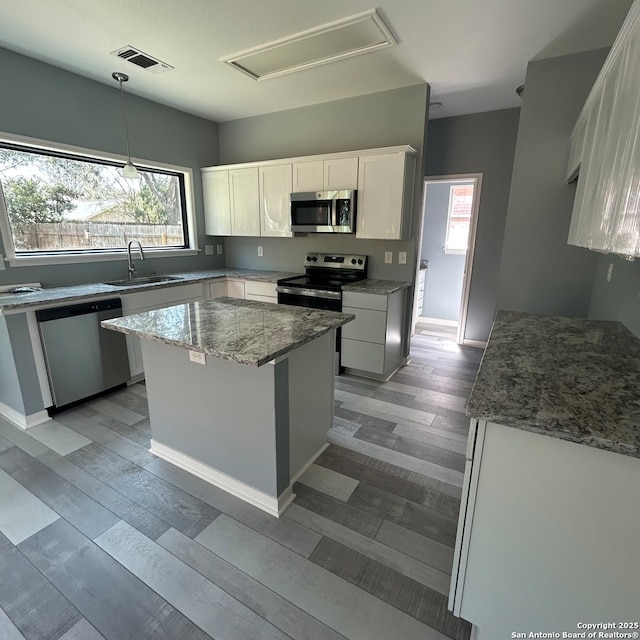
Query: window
[(61, 206), (459, 219)]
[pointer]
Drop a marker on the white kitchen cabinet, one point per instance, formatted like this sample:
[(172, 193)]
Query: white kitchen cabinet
[(326, 175), (261, 291), (606, 139), (418, 301), (218, 289), (275, 206), (385, 195), (371, 344), (560, 514), (217, 203), (235, 288), (245, 204), (158, 298)]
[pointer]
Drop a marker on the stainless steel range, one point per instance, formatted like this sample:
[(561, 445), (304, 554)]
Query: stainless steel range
[(321, 285)]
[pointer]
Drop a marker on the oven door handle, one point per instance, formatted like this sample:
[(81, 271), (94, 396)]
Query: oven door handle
[(312, 293)]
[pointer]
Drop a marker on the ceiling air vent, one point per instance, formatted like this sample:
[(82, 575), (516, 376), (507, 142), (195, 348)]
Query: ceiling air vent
[(361, 33), (142, 60)]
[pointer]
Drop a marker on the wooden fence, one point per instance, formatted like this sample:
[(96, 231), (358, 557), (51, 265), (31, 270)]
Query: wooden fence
[(96, 235)]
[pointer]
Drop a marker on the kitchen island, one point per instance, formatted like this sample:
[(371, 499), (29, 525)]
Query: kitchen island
[(240, 392), (548, 529)]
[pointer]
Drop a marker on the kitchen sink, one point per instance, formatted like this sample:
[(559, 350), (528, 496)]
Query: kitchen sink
[(142, 280)]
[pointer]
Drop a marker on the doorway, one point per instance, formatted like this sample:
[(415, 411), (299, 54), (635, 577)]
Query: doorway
[(449, 221)]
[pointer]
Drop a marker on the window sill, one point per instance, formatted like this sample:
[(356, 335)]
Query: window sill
[(51, 259)]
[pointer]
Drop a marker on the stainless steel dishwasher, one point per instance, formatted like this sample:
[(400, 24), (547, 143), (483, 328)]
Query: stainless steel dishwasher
[(82, 358)]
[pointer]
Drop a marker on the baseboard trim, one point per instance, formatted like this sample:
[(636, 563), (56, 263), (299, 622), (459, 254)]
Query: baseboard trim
[(273, 506), (440, 321), (21, 421), (477, 344), (315, 456)]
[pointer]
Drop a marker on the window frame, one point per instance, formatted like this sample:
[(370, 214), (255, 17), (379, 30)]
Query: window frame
[(447, 250), (101, 255)]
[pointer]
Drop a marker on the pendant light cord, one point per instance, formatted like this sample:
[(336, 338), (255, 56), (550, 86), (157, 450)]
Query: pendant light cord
[(126, 126)]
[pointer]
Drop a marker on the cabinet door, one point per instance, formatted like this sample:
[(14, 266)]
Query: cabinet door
[(308, 176), (236, 289), (275, 206), (381, 197), (341, 173), (245, 214), (218, 289), (217, 207)]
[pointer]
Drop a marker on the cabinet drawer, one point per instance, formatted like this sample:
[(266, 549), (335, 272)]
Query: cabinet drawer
[(251, 287), (160, 297), (369, 325), (364, 300), (365, 356)]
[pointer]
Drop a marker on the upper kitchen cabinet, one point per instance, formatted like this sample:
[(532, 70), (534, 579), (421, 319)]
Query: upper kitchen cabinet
[(605, 145), (275, 189), (325, 175), (385, 195), (245, 204), (217, 203)]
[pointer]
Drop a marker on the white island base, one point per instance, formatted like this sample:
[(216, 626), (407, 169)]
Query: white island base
[(251, 431)]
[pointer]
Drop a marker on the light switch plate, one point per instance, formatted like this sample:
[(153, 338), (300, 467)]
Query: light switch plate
[(260, 251), (219, 249), (208, 249), (2, 267), (196, 356), (388, 257), (402, 257)]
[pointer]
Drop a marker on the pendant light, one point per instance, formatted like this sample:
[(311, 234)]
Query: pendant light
[(129, 170)]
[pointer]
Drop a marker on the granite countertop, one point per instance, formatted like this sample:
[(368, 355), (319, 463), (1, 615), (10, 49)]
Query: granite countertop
[(570, 378), (244, 331), (380, 287), (71, 293)]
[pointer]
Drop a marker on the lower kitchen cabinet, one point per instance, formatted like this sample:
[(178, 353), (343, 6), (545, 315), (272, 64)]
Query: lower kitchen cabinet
[(372, 343), (218, 289), (245, 289), (146, 301), (261, 291)]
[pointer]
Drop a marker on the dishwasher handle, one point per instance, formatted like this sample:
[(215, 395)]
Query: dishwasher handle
[(112, 304)]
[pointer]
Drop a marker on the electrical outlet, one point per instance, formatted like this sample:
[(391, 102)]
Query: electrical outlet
[(2, 267), (208, 249), (402, 257), (219, 249), (609, 271), (388, 257), (260, 252), (196, 356)]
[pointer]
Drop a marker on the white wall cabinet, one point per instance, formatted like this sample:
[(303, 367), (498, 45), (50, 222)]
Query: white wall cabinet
[(371, 344), (605, 145), (385, 196), (253, 199), (276, 185), (146, 301)]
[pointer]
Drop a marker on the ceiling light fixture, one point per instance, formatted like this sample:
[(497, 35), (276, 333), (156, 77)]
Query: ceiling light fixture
[(129, 170), (360, 33)]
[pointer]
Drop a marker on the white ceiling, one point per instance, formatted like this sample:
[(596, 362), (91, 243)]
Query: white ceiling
[(473, 53)]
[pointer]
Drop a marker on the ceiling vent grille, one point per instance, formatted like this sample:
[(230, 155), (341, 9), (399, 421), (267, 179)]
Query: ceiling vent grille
[(142, 60), (361, 33)]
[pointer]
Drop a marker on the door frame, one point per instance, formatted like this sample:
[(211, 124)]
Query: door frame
[(468, 263)]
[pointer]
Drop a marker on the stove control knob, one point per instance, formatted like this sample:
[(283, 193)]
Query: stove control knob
[(315, 258), (353, 260), (359, 260)]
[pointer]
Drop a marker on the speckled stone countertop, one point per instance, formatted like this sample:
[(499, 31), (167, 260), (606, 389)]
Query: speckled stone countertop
[(67, 294), (569, 378), (244, 331), (380, 287)]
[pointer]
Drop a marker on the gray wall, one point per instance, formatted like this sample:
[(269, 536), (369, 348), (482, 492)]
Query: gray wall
[(479, 143), (618, 299), (51, 104), (443, 279), (378, 120), (539, 271)]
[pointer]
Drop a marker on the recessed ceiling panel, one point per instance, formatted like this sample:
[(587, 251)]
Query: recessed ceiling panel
[(358, 34)]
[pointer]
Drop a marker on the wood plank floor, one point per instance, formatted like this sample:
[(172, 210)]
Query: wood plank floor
[(101, 539)]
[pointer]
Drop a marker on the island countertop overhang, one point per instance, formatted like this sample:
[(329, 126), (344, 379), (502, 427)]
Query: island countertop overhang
[(244, 331)]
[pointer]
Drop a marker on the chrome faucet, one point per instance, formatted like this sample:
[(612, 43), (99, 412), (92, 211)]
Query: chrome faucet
[(132, 267)]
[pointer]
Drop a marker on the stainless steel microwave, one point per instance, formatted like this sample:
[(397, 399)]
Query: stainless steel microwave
[(324, 211)]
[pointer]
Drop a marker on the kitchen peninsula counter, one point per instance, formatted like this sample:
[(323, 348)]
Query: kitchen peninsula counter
[(240, 392), (569, 378)]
